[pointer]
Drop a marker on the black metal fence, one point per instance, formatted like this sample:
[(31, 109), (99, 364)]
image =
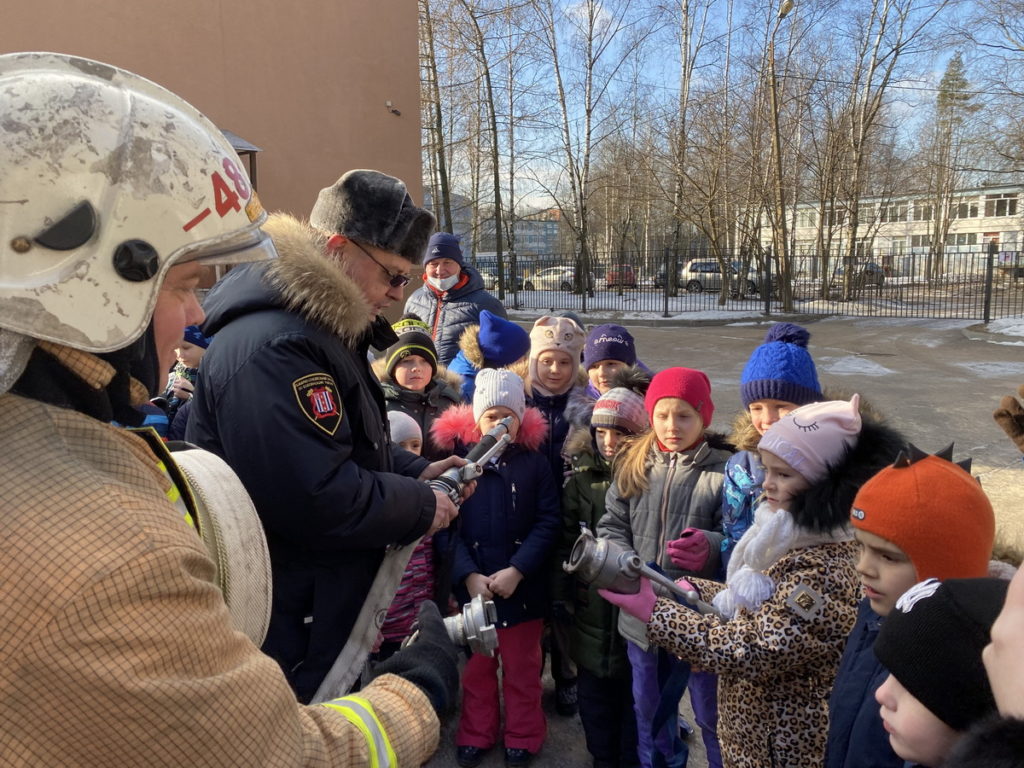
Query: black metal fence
[(978, 284)]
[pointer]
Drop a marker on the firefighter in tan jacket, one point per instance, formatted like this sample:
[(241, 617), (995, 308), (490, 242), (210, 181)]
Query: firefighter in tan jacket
[(117, 647)]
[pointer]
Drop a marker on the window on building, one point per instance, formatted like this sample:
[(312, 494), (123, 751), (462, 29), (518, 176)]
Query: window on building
[(893, 213), (920, 241), (962, 238), (807, 218), (922, 212), (836, 218), (1001, 205), (964, 210)]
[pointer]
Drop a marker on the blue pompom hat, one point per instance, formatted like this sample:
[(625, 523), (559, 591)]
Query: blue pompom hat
[(443, 245), (781, 368)]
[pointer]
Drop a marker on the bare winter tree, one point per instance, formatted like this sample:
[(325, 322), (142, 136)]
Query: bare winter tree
[(882, 36), (588, 45)]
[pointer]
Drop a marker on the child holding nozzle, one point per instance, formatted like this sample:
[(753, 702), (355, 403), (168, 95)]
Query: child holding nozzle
[(502, 543), (791, 592)]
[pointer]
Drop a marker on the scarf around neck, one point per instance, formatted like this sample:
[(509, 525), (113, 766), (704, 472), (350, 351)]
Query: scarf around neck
[(772, 535)]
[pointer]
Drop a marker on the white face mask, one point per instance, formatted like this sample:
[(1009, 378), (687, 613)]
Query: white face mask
[(443, 283)]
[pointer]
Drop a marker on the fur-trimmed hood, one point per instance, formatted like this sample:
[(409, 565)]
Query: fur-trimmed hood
[(580, 442), (303, 280), (469, 344), (580, 408), (457, 427)]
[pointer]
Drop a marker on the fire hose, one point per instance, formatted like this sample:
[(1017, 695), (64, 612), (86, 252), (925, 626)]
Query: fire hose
[(607, 564)]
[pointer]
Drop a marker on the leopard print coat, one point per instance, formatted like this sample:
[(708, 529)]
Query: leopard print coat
[(776, 665)]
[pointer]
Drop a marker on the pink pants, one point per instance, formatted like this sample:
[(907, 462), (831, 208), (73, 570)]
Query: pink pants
[(520, 655)]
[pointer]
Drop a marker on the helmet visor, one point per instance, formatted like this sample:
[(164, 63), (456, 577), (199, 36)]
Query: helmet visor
[(251, 245)]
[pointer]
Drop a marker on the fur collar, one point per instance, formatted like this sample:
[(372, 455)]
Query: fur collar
[(456, 426), (312, 284), (580, 442)]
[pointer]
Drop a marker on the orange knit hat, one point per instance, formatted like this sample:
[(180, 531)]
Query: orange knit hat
[(934, 511)]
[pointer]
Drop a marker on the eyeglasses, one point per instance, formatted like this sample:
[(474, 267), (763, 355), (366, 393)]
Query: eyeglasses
[(395, 280)]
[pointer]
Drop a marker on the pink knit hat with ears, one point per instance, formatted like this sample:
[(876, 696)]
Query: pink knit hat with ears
[(814, 437)]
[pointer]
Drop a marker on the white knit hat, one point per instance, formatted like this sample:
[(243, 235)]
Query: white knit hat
[(403, 427), (814, 437), (498, 386)]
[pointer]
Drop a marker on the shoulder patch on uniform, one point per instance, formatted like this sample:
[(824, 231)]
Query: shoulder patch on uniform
[(805, 602), (317, 395)]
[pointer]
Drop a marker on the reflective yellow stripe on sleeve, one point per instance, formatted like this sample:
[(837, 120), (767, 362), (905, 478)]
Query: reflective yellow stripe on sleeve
[(174, 496), (359, 712)]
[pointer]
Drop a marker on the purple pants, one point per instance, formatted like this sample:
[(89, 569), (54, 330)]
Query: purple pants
[(704, 698), (653, 681)]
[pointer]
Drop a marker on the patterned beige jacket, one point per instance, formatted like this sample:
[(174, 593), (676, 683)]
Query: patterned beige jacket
[(116, 648), (776, 665)]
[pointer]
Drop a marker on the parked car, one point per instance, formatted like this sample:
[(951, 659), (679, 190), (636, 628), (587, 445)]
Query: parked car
[(700, 276), (555, 279), (620, 275), (490, 278), (867, 273)]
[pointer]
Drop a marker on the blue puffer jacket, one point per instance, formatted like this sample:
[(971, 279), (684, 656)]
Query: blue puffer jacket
[(449, 313), (511, 519), (856, 738), (744, 477), (462, 366)]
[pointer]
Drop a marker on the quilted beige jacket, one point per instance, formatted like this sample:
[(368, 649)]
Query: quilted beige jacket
[(116, 648)]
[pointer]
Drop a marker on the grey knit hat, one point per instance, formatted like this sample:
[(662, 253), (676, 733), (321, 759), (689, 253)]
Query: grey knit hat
[(374, 208), (620, 408), (498, 386)]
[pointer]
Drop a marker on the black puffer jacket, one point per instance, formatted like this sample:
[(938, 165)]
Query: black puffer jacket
[(440, 394), (287, 398)]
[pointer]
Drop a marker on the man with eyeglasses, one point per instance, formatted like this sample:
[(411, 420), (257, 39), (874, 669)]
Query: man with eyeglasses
[(288, 399)]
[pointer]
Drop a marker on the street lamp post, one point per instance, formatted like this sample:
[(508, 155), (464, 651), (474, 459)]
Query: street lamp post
[(779, 234)]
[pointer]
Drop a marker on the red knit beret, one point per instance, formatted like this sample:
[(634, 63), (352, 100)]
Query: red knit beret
[(685, 384), (935, 512)]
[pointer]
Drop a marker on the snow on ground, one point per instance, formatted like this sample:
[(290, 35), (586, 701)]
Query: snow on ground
[(693, 307), (993, 370), (1008, 326), (852, 364)]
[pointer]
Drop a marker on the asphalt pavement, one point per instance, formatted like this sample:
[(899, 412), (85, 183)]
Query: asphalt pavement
[(937, 381)]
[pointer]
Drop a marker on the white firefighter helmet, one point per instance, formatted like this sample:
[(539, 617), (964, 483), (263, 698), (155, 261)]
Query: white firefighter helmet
[(106, 181)]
